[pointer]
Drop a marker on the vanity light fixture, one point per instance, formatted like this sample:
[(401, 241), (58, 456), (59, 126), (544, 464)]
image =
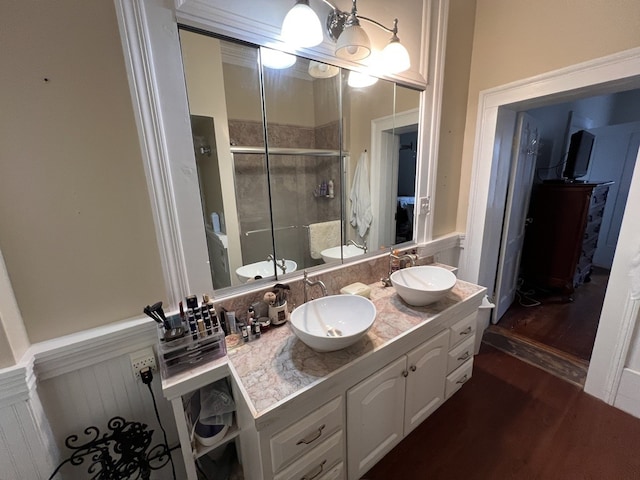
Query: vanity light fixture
[(352, 41), (276, 59), (322, 70), (360, 80), (301, 26)]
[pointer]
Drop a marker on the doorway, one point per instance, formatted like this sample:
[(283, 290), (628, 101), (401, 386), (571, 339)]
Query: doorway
[(620, 311), (536, 313)]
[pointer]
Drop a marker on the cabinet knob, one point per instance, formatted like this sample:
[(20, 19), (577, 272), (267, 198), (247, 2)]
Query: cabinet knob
[(413, 368), (315, 436), (319, 469), (405, 373)]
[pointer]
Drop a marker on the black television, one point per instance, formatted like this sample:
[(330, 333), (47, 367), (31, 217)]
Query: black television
[(579, 154)]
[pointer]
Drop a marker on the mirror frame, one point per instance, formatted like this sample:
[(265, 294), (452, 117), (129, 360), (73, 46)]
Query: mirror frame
[(149, 33)]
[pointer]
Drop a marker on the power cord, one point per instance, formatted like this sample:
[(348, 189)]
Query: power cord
[(147, 377)]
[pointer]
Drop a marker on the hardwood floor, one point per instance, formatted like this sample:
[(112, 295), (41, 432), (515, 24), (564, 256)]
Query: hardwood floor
[(566, 326), (515, 421)]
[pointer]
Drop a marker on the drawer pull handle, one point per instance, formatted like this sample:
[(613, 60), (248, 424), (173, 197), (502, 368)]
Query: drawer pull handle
[(315, 436), (466, 331), (413, 368), (464, 356), (320, 468), (463, 379)]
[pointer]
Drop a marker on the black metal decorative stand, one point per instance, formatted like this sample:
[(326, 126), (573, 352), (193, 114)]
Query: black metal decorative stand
[(120, 454)]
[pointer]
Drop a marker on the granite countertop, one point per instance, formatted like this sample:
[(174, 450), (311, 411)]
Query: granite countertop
[(278, 366)]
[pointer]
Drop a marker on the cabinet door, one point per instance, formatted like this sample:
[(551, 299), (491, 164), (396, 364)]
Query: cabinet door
[(427, 366), (375, 412)]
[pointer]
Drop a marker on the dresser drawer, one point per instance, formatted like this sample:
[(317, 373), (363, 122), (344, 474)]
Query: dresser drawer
[(460, 354), (302, 436), (458, 378), (318, 462), (462, 330)]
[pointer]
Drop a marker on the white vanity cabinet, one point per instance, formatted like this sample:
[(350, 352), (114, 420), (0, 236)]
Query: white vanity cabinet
[(303, 443), (386, 406), (461, 348)]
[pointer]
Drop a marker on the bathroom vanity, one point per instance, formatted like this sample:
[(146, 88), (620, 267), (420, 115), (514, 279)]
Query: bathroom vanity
[(303, 414)]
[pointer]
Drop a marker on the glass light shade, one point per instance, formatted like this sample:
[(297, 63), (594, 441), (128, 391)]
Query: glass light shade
[(353, 43), (276, 59), (360, 80), (395, 57), (322, 70), (301, 26)]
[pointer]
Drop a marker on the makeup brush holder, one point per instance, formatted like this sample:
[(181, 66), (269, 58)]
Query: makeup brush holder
[(278, 314)]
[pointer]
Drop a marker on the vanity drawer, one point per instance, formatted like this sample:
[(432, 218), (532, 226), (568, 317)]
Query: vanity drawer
[(336, 473), (318, 462), (458, 378), (302, 436), (462, 330), (460, 354)]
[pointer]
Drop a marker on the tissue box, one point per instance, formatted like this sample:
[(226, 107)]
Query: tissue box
[(357, 288)]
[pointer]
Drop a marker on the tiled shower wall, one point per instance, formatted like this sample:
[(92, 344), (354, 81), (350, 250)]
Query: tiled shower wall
[(293, 181)]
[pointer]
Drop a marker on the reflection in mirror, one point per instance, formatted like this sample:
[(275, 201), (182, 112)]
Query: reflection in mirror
[(225, 102), (302, 105), (307, 167), (404, 164), (381, 126)]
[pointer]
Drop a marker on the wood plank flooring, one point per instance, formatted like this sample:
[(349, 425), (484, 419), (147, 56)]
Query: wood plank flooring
[(566, 326), (515, 421)]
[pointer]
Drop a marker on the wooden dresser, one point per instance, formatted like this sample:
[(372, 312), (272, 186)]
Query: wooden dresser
[(562, 234)]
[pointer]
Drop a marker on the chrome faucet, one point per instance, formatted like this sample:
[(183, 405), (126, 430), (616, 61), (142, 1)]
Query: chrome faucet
[(308, 283), (357, 245), (282, 265), (386, 281)]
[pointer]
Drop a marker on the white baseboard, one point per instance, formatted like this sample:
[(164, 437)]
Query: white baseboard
[(628, 396)]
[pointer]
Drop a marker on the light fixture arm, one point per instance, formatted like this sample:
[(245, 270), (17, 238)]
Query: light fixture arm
[(337, 19), (393, 30)]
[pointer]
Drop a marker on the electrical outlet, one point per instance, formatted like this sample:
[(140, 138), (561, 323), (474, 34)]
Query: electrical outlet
[(143, 359)]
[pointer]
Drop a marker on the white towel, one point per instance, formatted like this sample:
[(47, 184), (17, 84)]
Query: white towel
[(323, 235), (361, 216)]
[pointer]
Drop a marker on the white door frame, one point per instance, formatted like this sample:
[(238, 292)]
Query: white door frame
[(617, 72), (384, 174)]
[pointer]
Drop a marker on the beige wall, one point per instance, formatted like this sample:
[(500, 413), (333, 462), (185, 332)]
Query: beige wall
[(75, 221), (454, 110), (517, 39)]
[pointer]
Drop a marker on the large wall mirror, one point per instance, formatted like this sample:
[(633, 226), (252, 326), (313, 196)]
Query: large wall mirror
[(299, 163)]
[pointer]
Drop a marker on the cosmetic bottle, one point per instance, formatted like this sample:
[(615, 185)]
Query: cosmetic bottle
[(231, 322), (206, 317), (193, 326), (330, 189), (245, 333)]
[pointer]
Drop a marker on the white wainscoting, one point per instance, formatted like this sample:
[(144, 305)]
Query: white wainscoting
[(83, 380), (26, 443)]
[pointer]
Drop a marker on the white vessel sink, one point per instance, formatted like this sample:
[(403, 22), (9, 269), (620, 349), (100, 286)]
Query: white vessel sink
[(422, 285), (263, 269), (352, 315), (332, 254)]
